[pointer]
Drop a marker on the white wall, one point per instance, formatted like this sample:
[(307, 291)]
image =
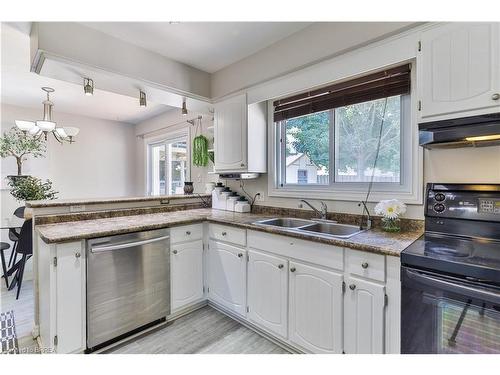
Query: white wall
[(319, 41), (174, 122), (101, 163)]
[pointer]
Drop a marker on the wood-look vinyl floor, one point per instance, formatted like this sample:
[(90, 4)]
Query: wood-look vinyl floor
[(202, 332)]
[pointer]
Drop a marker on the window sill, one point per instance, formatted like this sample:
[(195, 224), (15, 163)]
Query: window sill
[(343, 195)]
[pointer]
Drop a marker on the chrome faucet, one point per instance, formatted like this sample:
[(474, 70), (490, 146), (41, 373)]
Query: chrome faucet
[(324, 209), (368, 217)]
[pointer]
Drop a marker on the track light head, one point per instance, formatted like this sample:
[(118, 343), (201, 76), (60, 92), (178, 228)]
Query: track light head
[(184, 110), (142, 98), (88, 86)]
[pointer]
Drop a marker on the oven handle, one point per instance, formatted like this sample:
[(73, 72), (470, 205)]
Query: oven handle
[(451, 287), (102, 249)]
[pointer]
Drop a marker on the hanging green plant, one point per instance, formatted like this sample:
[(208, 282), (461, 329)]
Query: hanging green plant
[(200, 151)]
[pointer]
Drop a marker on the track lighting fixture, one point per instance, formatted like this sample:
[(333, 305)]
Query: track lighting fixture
[(88, 86), (184, 108), (142, 98)]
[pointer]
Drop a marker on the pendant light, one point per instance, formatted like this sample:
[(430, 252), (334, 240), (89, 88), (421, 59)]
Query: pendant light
[(44, 127)]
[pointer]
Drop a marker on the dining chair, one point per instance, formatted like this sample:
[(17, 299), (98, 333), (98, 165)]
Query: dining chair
[(25, 249), (14, 235), (4, 246)]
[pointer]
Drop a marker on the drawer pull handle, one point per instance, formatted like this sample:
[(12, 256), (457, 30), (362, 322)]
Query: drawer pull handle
[(175, 251), (352, 286), (188, 232), (224, 233), (240, 255), (364, 265), (280, 266), (293, 269), (78, 255), (495, 96)]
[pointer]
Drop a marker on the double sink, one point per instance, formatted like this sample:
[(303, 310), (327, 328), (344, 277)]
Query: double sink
[(316, 227)]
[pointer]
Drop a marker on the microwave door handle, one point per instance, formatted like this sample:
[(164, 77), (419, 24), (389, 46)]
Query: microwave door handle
[(102, 249), (456, 288)]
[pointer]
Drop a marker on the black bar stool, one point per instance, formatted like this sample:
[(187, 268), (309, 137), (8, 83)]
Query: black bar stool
[(25, 249), (14, 235)]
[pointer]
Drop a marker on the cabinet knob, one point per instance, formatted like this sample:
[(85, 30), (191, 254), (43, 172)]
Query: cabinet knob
[(240, 255), (293, 269), (495, 96), (352, 286), (188, 232), (242, 164), (224, 233), (280, 266), (364, 265), (175, 251), (78, 255)]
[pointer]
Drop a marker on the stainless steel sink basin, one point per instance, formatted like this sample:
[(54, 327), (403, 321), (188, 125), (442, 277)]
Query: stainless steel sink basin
[(285, 222), (333, 229), (318, 227)]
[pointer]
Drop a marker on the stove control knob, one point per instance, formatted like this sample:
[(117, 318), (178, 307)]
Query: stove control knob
[(439, 197), (439, 207)]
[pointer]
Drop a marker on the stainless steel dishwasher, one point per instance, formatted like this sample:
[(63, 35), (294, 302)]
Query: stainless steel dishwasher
[(128, 285)]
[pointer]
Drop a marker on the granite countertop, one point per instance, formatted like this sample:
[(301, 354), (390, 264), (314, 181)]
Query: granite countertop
[(76, 202), (373, 240)]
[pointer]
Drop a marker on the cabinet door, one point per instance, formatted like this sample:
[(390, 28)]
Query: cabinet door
[(364, 317), (315, 308), (227, 276), (268, 291), (70, 298), (230, 134), (186, 267), (460, 68)]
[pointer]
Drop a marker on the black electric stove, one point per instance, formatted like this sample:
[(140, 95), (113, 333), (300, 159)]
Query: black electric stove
[(451, 275)]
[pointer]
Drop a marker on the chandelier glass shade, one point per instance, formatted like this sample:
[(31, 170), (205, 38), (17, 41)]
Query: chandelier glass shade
[(43, 127)]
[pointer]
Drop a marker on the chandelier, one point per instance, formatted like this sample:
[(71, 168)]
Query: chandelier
[(43, 127)]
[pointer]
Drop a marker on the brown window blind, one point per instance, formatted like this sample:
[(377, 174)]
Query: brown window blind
[(389, 82)]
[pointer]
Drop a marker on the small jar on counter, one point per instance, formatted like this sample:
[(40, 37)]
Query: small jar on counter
[(242, 205)]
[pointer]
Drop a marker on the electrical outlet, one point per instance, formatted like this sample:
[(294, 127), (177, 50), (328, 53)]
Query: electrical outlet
[(260, 197)]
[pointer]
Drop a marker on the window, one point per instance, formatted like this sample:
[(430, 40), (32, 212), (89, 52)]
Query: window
[(168, 166), (326, 141)]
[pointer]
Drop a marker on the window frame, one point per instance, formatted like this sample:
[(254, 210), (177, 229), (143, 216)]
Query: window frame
[(409, 190), (165, 140)]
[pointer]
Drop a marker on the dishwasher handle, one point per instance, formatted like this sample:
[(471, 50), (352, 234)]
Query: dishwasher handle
[(102, 249)]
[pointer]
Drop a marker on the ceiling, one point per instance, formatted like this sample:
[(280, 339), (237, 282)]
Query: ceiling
[(208, 46), (21, 87)]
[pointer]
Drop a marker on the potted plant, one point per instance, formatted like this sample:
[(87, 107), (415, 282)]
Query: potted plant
[(17, 144), (31, 188)]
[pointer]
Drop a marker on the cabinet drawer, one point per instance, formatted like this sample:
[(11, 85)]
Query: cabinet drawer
[(232, 235), (308, 251), (186, 233), (368, 265)]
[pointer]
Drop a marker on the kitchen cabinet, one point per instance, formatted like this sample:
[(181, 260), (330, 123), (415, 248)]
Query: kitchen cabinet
[(459, 70), (61, 288), (239, 128), (227, 270), (186, 267), (315, 308), (364, 305), (268, 291)]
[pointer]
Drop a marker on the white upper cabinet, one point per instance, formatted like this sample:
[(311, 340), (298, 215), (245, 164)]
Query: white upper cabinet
[(186, 267), (230, 133), (315, 308), (240, 129), (459, 70), (364, 305), (268, 291), (227, 276)]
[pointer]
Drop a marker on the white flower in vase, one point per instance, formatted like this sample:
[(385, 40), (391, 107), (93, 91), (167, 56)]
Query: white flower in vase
[(390, 210)]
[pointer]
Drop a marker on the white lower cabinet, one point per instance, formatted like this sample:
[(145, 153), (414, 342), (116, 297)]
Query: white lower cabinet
[(268, 292), (186, 268), (364, 317), (227, 270), (315, 308)]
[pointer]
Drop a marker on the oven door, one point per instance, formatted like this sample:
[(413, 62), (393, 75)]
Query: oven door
[(442, 314)]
